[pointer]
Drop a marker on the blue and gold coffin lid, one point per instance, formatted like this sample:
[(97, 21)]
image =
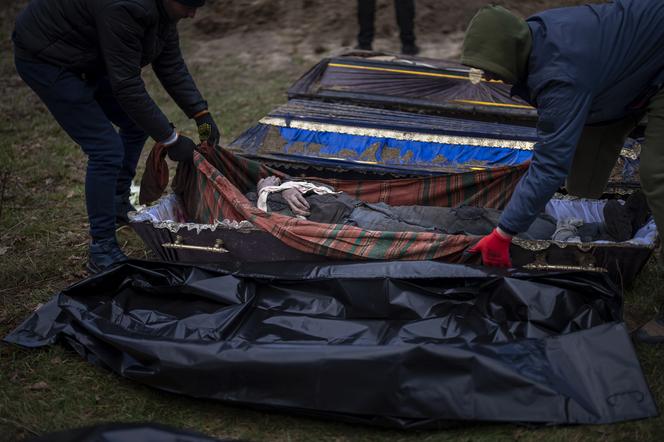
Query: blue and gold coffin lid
[(357, 137), (303, 134), (405, 83)]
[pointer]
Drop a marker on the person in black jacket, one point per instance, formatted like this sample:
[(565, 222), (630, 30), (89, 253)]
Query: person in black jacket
[(83, 58)]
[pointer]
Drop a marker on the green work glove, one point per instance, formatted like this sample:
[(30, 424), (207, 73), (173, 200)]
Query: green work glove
[(207, 128)]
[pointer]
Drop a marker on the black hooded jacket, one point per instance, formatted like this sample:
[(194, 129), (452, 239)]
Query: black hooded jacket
[(117, 38)]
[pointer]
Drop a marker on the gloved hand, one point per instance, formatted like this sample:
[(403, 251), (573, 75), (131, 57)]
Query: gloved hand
[(296, 201), (495, 249), (182, 149), (207, 128)]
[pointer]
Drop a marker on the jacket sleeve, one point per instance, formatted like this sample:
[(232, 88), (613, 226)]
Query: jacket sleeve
[(120, 31), (173, 74), (563, 108)]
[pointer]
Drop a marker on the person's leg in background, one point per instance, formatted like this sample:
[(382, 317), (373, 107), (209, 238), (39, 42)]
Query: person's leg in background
[(594, 160), (405, 12), (596, 154), (71, 101), (651, 169), (366, 14), (651, 164), (133, 139)]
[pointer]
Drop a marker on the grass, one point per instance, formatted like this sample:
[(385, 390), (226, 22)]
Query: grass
[(43, 243)]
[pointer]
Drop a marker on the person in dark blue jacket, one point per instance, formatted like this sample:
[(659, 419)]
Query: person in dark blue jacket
[(592, 72)]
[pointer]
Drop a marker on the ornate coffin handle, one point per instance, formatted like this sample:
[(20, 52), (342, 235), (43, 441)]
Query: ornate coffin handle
[(587, 261), (536, 266), (179, 244)]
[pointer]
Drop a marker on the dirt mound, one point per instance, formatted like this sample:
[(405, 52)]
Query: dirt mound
[(311, 17), (271, 32)]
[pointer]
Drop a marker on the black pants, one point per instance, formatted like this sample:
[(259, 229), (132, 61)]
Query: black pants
[(87, 111), (366, 12)]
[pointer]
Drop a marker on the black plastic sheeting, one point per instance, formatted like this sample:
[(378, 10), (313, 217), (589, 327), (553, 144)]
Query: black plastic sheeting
[(119, 432), (401, 344)]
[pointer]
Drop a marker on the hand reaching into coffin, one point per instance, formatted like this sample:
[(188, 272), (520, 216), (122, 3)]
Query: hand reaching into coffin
[(296, 201), (495, 249)]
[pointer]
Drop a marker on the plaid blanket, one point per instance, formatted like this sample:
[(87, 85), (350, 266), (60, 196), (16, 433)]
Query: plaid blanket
[(213, 188)]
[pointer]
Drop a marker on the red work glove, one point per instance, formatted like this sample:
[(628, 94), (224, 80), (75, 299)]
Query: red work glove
[(495, 248)]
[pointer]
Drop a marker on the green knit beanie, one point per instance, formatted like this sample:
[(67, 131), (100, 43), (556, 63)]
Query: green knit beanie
[(499, 42)]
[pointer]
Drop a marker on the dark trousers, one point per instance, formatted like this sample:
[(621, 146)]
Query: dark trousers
[(87, 111), (599, 148), (366, 13)]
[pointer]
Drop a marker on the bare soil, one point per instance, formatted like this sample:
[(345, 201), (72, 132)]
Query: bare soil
[(272, 32)]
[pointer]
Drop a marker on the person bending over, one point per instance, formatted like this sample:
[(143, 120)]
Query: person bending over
[(592, 72), (84, 58)]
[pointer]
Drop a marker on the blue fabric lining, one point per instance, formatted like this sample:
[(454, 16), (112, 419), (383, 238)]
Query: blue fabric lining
[(410, 153)]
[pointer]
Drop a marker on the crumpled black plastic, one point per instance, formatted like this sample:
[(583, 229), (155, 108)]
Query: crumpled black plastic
[(403, 344), (126, 432)]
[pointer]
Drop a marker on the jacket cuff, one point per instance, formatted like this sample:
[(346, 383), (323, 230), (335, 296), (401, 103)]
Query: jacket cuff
[(200, 113), (506, 230), (171, 139), (198, 108)]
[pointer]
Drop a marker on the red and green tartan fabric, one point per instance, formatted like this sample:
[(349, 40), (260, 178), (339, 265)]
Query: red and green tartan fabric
[(213, 189)]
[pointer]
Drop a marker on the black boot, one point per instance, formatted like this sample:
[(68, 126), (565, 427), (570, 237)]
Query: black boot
[(652, 332), (122, 208), (410, 49), (104, 254), (618, 221)]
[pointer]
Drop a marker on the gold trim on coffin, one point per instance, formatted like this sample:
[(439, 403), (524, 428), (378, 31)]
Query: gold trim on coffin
[(488, 103), (397, 135), (586, 260), (538, 245), (400, 71), (632, 154), (557, 267), (179, 244), (471, 75)]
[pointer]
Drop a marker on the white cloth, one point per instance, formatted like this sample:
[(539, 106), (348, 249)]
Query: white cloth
[(302, 186)]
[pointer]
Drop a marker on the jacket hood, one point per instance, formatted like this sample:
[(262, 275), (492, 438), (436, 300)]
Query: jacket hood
[(499, 42)]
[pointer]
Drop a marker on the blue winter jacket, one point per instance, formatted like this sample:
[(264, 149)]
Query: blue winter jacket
[(588, 64)]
